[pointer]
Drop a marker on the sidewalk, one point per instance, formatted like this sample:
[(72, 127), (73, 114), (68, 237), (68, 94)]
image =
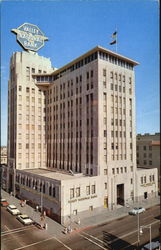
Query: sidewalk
[(54, 228), (108, 216)]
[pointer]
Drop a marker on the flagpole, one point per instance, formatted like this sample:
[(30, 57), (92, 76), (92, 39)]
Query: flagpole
[(116, 39)]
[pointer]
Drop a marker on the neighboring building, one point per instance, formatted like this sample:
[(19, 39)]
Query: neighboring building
[(71, 133), (3, 166), (3, 156), (146, 182), (148, 151)]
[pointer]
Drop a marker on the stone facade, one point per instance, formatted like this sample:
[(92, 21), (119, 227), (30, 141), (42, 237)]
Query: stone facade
[(77, 123)]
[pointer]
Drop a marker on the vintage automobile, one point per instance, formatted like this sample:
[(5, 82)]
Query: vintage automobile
[(13, 210), (25, 219), (4, 203), (137, 210)]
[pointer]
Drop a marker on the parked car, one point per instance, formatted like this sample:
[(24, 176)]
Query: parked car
[(137, 210), (13, 210), (4, 203), (25, 219)]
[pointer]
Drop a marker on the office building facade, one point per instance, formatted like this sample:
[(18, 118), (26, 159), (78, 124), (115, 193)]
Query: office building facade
[(71, 132)]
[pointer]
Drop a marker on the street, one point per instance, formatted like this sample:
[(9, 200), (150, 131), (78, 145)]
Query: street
[(121, 232)]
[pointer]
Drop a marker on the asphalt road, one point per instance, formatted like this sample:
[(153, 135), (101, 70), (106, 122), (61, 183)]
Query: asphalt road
[(122, 232)]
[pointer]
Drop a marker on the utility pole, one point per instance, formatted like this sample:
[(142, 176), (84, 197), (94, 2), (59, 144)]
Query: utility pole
[(138, 224)]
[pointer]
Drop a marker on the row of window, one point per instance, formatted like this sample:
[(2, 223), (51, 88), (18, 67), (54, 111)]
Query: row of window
[(144, 179), (76, 65), (145, 162), (115, 60), (119, 170), (145, 155), (144, 147), (76, 192), (37, 185)]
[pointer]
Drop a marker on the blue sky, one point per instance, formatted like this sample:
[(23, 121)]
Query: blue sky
[(74, 27)]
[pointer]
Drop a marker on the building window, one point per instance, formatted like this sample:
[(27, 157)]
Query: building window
[(150, 162), (131, 181), (71, 193), (88, 190), (50, 190), (144, 179), (105, 171), (141, 180), (90, 208), (93, 189), (113, 171), (145, 162), (75, 212), (54, 192), (144, 147), (78, 192), (104, 72), (105, 185)]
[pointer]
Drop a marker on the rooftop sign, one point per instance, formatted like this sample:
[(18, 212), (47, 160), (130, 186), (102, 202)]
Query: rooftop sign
[(30, 37)]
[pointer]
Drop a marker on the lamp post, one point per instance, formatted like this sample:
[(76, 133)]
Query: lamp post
[(41, 197), (138, 224), (141, 232)]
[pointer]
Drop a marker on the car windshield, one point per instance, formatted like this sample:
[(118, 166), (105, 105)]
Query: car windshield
[(25, 217), (13, 208)]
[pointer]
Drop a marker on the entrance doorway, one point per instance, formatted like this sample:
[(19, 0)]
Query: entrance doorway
[(105, 202), (120, 194), (145, 195)]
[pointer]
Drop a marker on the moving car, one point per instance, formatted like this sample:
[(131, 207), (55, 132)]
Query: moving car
[(25, 219), (13, 210), (137, 210), (4, 203)]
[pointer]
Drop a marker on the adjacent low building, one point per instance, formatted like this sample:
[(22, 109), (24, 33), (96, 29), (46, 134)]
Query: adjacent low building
[(148, 151)]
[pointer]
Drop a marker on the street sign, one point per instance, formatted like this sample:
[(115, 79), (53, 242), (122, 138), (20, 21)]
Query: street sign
[(30, 37)]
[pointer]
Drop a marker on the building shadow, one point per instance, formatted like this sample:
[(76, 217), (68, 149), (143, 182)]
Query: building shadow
[(112, 242)]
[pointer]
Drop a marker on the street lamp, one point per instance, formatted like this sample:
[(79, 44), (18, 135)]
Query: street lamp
[(138, 224), (141, 232), (41, 196)]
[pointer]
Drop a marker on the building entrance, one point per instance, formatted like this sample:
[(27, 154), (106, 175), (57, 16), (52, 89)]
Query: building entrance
[(145, 195), (120, 194), (105, 202)]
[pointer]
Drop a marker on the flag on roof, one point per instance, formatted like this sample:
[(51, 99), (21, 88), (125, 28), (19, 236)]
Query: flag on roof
[(113, 42), (114, 34)]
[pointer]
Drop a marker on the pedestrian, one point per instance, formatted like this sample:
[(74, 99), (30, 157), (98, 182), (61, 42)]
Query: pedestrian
[(37, 208), (44, 213)]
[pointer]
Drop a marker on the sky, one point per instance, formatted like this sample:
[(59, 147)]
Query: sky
[(76, 26)]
